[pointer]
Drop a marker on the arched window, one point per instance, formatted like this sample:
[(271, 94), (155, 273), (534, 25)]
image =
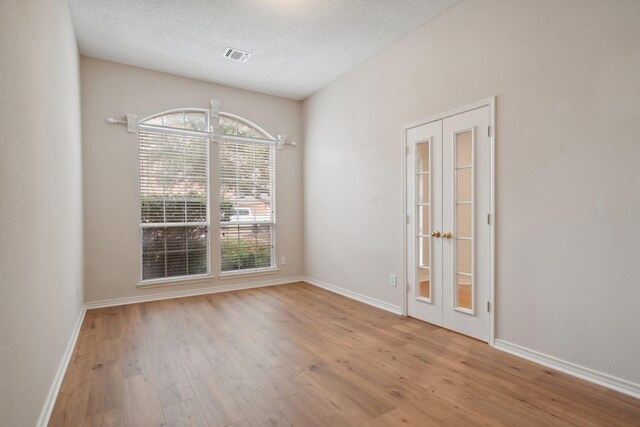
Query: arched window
[(232, 125), (247, 195), (191, 119), (174, 195)]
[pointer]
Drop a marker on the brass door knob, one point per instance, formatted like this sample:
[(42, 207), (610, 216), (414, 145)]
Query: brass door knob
[(436, 234), (447, 235)]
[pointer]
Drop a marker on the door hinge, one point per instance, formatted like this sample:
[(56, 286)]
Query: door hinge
[(489, 306), (488, 219), (489, 131), (406, 150), (407, 219)]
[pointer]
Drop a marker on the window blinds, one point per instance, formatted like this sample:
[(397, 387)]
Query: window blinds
[(247, 205), (174, 196)]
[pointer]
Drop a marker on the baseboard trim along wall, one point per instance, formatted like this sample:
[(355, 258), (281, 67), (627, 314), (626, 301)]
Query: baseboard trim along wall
[(190, 292), (355, 296), (45, 414), (587, 374)]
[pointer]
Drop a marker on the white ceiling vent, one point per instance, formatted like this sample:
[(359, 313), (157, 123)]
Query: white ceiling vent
[(237, 55)]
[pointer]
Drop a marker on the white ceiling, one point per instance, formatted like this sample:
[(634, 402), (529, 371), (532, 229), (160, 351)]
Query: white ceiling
[(298, 46)]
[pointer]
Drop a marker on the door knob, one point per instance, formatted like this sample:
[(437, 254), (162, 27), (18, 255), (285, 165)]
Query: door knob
[(436, 234), (446, 235)]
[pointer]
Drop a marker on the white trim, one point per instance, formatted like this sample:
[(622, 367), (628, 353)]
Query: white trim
[(175, 281), (234, 274), (175, 131), (454, 112), (404, 218), (492, 223), (50, 401), (189, 292), (355, 296), (587, 374), (491, 103)]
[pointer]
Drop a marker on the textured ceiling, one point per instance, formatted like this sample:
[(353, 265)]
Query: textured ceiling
[(298, 46)]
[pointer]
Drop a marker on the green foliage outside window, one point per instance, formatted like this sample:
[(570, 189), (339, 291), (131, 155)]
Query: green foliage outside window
[(244, 254)]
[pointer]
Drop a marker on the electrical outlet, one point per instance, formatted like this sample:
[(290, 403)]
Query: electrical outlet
[(393, 280), (283, 260)]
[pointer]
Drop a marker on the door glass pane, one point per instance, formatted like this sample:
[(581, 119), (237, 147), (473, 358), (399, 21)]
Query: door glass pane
[(424, 249), (423, 223), (463, 220), (424, 285), (463, 149), (463, 256), (464, 167), (464, 296), (423, 188), (463, 184), (422, 157)]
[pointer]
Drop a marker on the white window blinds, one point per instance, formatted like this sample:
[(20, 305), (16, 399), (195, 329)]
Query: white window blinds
[(174, 195), (247, 199)]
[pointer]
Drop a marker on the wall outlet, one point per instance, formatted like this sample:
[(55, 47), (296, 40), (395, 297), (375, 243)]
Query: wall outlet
[(393, 280), (283, 260)]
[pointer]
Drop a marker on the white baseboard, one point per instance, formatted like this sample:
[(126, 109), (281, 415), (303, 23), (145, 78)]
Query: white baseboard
[(587, 374), (355, 296), (190, 292), (62, 369)]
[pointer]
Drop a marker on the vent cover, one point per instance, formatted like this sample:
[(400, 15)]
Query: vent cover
[(237, 55)]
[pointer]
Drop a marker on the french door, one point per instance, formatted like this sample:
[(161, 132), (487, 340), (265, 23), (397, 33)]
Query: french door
[(448, 182)]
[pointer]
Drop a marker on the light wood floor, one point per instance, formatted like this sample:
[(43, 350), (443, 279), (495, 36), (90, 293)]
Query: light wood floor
[(298, 355)]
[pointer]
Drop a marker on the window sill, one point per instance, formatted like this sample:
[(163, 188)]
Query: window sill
[(256, 272), (184, 280)]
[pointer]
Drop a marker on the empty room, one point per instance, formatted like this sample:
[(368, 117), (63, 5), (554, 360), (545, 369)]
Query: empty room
[(374, 213)]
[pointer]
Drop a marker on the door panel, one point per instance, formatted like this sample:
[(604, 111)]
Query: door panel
[(448, 185), (466, 197), (424, 192)]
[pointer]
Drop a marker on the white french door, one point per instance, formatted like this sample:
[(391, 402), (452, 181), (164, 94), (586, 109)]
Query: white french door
[(448, 182)]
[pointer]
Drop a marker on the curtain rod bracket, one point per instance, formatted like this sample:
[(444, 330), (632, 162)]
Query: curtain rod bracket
[(282, 141), (129, 119)]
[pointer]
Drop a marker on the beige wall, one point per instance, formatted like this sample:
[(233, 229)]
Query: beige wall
[(40, 202), (110, 159), (566, 77)]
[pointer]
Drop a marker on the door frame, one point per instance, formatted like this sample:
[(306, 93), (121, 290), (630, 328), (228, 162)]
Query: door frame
[(487, 102)]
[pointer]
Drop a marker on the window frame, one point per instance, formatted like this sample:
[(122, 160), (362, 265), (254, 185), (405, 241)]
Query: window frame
[(267, 140), (212, 195), (189, 278)]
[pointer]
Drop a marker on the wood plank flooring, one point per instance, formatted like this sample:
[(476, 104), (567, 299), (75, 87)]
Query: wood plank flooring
[(298, 355)]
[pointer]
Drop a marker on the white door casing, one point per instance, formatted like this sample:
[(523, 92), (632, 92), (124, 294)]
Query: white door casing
[(459, 208)]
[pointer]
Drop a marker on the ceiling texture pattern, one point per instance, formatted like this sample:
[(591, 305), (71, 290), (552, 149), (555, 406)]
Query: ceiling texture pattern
[(297, 46)]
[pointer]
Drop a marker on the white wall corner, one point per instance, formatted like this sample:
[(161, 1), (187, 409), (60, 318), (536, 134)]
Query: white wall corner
[(355, 296), (587, 374)]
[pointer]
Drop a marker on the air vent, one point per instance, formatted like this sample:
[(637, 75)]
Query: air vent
[(237, 55)]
